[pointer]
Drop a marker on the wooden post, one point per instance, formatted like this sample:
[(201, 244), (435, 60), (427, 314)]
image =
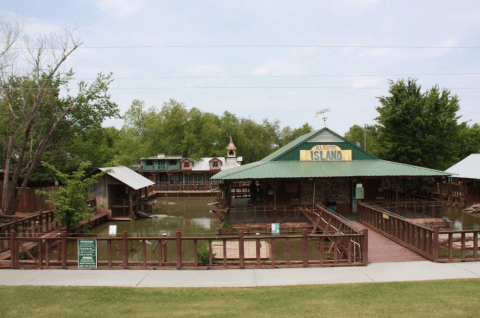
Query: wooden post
[(13, 249), (64, 249), (287, 251), (304, 248), (195, 252), (125, 250), (210, 255), (272, 252), (257, 250), (224, 241), (109, 253), (320, 249), (40, 253), (365, 247), (144, 253), (475, 245), (241, 249), (179, 249)]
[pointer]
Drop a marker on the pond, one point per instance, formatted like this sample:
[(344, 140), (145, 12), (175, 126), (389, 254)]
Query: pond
[(461, 220)]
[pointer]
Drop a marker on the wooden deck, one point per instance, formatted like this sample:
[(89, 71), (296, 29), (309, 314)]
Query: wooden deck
[(383, 250)]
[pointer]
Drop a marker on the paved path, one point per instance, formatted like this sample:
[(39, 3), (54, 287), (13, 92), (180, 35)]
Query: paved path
[(382, 249), (378, 272)]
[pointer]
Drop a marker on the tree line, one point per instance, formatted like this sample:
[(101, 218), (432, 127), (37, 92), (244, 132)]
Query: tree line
[(418, 127)]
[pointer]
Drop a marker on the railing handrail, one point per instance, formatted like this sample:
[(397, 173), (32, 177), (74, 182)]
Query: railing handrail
[(390, 214)]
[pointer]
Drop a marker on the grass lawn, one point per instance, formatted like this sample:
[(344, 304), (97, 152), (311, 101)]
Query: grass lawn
[(447, 298)]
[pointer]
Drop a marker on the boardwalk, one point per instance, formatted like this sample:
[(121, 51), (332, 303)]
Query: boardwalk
[(381, 249)]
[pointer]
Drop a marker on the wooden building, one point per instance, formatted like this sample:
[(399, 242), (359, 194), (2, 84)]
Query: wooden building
[(120, 191), (317, 168), (181, 170), (465, 181)]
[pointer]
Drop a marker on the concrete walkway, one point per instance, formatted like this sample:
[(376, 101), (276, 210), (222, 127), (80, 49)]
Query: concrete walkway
[(378, 272)]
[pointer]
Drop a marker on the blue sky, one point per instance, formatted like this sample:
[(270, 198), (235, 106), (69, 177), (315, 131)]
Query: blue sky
[(285, 83)]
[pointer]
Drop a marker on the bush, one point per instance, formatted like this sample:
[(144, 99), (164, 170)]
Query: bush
[(203, 254)]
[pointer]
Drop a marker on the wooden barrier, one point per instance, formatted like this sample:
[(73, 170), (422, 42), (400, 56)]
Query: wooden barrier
[(238, 251), (433, 243)]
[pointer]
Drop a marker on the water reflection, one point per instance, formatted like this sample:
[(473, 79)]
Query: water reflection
[(462, 220)]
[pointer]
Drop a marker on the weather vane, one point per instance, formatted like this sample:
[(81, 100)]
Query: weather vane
[(321, 112)]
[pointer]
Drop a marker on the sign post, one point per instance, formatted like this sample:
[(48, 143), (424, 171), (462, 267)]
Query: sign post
[(87, 253)]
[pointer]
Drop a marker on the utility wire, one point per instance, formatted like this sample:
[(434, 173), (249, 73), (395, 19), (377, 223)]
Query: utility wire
[(262, 46), (281, 76)]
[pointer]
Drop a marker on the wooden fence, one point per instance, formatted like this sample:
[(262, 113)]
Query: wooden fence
[(238, 251), (415, 209), (31, 201), (433, 243), (265, 214), (27, 227), (183, 187)]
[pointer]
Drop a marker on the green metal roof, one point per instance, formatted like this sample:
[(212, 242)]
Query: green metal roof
[(291, 151), (285, 163), (311, 169)]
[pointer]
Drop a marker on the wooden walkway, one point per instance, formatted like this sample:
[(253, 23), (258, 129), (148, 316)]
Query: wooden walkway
[(383, 250)]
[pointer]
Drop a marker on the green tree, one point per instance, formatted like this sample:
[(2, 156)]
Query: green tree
[(69, 200), (357, 134), (417, 128), (39, 121)]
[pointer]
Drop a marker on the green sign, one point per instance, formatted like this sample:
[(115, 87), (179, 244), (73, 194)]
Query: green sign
[(87, 253), (359, 193)]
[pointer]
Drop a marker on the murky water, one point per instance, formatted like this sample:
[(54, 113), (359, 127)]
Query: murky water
[(461, 220)]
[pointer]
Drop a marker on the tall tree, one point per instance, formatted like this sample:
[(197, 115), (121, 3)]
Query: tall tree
[(38, 117), (417, 128), (358, 134)]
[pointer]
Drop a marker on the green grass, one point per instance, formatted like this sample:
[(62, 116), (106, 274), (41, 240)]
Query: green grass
[(447, 298)]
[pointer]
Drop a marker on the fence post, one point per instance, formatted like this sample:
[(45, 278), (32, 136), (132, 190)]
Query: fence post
[(304, 248), (435, 244), (125, 250), (64, 249), (365, 247), (179, 249), (241, 249), (12, 249)]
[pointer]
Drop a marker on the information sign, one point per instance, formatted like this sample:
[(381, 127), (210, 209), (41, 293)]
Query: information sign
[(359, 193), (275, 228), (112, 230), (87, 253)]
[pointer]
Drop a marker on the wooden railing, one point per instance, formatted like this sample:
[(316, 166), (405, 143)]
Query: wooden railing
[(27, 227), (183, 187), (238, 251), (415, 209), (433, 243), (265, 214), (418, 238)]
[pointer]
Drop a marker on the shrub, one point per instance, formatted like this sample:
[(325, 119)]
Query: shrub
[(203, 254)]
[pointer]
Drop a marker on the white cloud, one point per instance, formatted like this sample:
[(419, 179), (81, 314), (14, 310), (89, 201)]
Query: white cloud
[(119, 8)]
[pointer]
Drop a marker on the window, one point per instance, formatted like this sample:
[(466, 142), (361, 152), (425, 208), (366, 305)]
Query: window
[(172, 162), (231, 152), (215, 164), (186, 164)]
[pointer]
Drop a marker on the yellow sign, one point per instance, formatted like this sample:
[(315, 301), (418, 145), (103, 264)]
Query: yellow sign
[(326, 153), (385, 216)]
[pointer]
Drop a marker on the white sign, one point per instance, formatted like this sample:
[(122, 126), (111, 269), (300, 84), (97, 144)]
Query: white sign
[(275, 228), (112, 230)]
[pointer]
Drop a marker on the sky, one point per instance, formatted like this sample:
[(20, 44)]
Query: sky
[(270, 59)]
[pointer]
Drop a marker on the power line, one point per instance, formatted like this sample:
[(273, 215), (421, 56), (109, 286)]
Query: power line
[(263, 46), (282, 76), (243, 87)]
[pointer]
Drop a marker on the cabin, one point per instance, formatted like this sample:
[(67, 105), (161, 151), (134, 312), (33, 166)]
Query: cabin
[(319, 168), (465, 183), (163, 169), (119, 191)]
